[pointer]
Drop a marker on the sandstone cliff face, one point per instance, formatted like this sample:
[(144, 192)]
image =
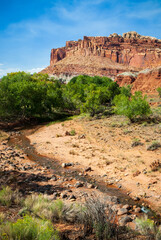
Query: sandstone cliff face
[(111, 56), (132, 49), (146, 81)]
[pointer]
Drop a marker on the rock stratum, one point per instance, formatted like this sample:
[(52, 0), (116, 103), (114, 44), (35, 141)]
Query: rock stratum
[(106, 56), (147, 80)]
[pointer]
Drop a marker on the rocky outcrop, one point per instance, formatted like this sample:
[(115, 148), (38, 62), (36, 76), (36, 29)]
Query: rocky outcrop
[(126, 78), (131, 49), (86, 65), (146, 81), (108, 56)]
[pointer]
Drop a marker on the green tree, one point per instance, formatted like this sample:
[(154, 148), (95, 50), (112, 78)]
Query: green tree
[(90, 94), (126, 90), (23, 95), (136, 106)]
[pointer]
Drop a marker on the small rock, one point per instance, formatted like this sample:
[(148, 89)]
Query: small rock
[(63, 195), (136, 198), (82, 136), (68, 185), (115, 207), (127, 206), (88, 169), (70, 191), (78, 184), (122, 211), (63, 165), (125, 220), (136, 173), (113, 199), (137, 210), (54, 178), (105, 175), (90, 185), (72, 197)]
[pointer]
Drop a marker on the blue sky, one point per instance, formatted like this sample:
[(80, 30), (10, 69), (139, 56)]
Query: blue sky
[(29, 29)]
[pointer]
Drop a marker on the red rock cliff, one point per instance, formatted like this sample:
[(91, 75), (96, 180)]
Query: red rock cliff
[(130, 49), (106, 56), (146, 81)]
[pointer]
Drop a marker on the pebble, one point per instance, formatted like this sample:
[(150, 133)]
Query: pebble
[(63, 195), (88, 169), (137, 210), (78, 184), (72, 197), (125, 220), (90, 185), (64, 165), (127, 206), (54, 178), (122, 211)]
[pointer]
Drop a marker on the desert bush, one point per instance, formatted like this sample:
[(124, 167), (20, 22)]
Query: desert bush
[(136, 142), (159, 91), (148, 227), (8, 197), (2, 217), (136, 106), (72, 132), (28, 228), (45, 208), (95, 219), (153, 146)]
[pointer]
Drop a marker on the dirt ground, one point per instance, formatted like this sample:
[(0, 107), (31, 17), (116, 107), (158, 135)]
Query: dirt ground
[(114, 148)]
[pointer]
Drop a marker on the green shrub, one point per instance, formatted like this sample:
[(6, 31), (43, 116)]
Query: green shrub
[(148, 227), (136, 106), (95, 219), (45, 208), (136, 142), (159, 91), (28, 228), (126, 90), (8, 197), (154, 145), (72, 132)]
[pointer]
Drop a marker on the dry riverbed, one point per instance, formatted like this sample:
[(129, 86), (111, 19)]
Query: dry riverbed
[(116, 151)]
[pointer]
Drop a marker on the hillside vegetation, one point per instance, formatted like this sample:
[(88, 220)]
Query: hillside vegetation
[(24, 96)]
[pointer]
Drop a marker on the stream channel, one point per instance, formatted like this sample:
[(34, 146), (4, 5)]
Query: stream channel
[(19, 140)]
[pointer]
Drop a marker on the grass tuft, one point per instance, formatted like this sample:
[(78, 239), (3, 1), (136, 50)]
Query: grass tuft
[(28, 228)]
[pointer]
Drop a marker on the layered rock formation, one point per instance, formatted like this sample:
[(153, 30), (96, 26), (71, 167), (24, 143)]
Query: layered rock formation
[(146, 81), (132, 49), (106, 56)]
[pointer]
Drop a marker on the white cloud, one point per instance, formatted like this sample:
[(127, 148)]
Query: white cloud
[(4, 72), (35, 70)]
